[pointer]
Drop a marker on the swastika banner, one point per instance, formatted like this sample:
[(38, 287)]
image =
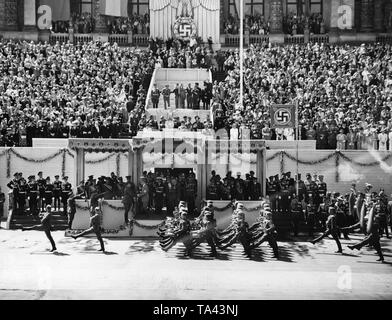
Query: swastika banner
[(283, 116)]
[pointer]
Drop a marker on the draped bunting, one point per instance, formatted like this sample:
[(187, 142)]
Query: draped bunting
[(206, 15)]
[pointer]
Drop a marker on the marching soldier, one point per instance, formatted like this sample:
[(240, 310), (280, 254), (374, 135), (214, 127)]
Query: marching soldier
[(41, 188), (296, 214), (45, 226), (57, 192), (33, 196), (159, 195), (332, 229), (48, 192), (191, 192), (380, 210), (66, 192), (341, 216), (95, 227)]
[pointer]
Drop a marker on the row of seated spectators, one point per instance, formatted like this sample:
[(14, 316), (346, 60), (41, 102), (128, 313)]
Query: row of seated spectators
[(292, 24), (85, 23), (343, 93)]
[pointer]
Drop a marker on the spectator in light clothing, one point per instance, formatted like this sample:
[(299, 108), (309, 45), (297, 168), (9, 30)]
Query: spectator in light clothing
[(383, 138), (341, 140)]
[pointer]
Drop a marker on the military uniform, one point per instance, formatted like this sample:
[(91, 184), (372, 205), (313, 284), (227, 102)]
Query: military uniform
[(212, 191), (191, 194), (311, 210), (155, 94), (48, 193), (14, 186), (333, 230), (22, 197), (381, 210), (41, 189), (57, 193), (33, 197), (173, 198), (128, 198), (322, 191), (95, 227), (65, 194), (159, 196), (296, 214)]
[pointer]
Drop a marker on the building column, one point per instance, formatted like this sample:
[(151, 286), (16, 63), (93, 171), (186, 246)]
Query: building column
[(276, 9), (30, 15), (79, 165), (100, 22), (224, 12), (367, 15), (10, 21), (379, 11)]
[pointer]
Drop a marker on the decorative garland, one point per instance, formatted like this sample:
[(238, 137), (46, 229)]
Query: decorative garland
[(106, 203), (18, 155), (310, 163), (101, 160), (282, 154), (146, 227), (371, 164), (63, 164), (273, 157), (337, 163)]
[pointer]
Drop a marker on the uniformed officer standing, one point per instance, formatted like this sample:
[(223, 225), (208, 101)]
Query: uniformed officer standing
[(95, 227), (173, 197), (212, 191), (41, 188), (191, 192), (128, 198), (45, 226), (57, 186), (159, 196), (33, 196), (65, 194), (14, 186), (22, 196), (322, 189), (166, 96), (271, 192), (48, 192), (311, 210), (301, 188), (155, 94), (297, 214), (309, 187)]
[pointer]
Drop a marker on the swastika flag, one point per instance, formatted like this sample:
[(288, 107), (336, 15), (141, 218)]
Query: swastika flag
[(283, 116)]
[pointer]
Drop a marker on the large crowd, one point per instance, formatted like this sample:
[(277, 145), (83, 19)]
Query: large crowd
[(343, 94)]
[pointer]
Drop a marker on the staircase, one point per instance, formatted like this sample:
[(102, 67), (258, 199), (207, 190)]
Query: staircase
[(59, 221)]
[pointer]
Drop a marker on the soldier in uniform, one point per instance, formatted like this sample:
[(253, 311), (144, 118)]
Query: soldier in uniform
[(95, 227), (380, 210), (48, 192), (301, 188), (309, 188), (22, 196), (166, 96), (41, 188), (57, 192), (231, 183), (311, 210), (66, 190), (212, 191), (191, 192), (322, 189), (14, 186), (332, 229), (155, 94), (2, 201), (159, 195), (341, 216), (128, 198), (172, 193), (45, 226), (33, 196), (143, 196), (225, 190), (285, 196), (271, 192), (269, 234), (296, 214), (182, 186)]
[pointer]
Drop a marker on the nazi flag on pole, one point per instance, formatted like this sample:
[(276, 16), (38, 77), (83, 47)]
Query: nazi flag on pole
[(283, 116)]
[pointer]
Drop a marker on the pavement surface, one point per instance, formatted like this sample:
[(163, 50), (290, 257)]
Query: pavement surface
[(138, 270)]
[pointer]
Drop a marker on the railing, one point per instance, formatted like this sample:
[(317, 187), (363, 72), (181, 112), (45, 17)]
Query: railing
[(258, 39), (140, 40), (58, 37), (298, 39), (120, 39), (384, 38), (232, 40), (83, 37), (319, 38)]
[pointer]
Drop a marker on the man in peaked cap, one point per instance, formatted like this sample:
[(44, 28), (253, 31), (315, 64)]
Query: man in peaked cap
[(66, 191)]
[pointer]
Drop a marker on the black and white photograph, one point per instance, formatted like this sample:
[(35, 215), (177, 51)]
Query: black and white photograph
[(198, 152)]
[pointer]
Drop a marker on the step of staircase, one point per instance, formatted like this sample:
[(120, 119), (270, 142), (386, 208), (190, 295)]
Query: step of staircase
[(59, 221)]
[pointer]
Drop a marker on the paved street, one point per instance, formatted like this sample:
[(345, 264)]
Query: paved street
[(138, 269)]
